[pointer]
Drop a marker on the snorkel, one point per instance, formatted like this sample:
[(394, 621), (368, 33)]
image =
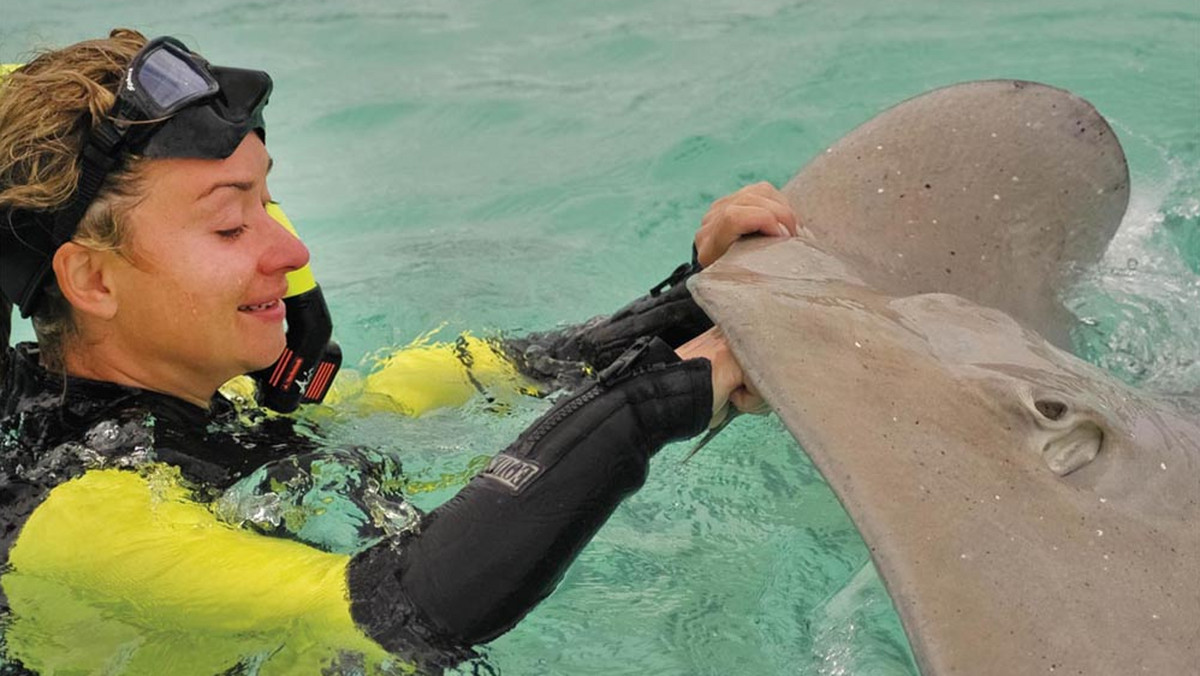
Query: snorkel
[(305, 370), (171, 103)]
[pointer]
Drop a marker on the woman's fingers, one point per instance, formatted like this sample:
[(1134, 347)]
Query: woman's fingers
[(726, 373), (758, 208), (746, 400)]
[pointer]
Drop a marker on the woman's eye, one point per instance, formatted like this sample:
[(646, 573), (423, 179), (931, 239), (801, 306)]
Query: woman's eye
[(232, 233)]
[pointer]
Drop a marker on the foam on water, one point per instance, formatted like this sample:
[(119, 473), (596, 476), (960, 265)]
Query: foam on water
[(1139, 309)]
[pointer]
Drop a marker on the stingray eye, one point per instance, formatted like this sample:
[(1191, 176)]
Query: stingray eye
[(1050, 408), (1068, 431)]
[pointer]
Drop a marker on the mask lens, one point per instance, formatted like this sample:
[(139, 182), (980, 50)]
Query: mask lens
[(170, 81)]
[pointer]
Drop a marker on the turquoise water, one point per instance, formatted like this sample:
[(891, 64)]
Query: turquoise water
[(513, 165)]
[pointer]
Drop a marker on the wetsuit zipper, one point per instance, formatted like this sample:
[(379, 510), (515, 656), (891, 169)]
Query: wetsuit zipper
[(577, 403), (553, 421)]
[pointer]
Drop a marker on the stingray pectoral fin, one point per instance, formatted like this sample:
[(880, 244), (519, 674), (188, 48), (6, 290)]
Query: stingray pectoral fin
[(1014, 532), (959, 187)]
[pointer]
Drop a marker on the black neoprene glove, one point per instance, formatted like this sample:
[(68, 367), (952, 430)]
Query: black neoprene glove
[(562, 357)]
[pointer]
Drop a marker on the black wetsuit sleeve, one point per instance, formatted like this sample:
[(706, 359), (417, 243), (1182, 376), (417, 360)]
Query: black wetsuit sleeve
[(667, 312), (5, 332), (490, 554)]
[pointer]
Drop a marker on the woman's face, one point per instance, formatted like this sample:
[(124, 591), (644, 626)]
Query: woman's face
[(200, 283)]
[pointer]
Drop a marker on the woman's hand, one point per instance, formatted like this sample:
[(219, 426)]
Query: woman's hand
[(728, 381), (758, 208)]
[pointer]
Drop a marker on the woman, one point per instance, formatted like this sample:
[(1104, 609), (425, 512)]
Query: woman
[(135, 230)]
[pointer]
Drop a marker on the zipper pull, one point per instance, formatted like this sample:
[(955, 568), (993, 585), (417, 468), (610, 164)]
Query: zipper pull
[(623, 363)]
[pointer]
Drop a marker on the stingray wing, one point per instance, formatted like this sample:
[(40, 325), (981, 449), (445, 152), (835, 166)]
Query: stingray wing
[(958, 188), (939, 422)]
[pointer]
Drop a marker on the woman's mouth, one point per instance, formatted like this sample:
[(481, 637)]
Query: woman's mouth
[(259, 307), (271, 310)]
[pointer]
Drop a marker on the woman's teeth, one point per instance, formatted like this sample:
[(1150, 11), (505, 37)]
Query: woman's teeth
[(261, 306)]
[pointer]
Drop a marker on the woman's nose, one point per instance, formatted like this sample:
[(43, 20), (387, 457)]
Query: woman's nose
[(285, 252)]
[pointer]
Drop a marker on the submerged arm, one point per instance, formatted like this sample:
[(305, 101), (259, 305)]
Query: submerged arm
[(561, 356), (667, 311), (489, 555), (149, 574)]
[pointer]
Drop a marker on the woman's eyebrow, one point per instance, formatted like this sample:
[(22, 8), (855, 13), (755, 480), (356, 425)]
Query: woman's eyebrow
[(244, 186)]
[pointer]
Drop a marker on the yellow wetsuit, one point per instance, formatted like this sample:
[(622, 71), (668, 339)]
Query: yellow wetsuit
[(124, 572), (117, 561)]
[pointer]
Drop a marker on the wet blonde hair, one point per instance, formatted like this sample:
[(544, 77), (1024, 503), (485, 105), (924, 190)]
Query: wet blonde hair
[(47, 108)]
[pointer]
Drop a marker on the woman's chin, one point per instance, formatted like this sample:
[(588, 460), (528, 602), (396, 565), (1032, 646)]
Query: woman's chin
[(267, 362), (267, 354)]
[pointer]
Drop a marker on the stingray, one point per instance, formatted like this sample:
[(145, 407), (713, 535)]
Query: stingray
[(1027, 512)]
